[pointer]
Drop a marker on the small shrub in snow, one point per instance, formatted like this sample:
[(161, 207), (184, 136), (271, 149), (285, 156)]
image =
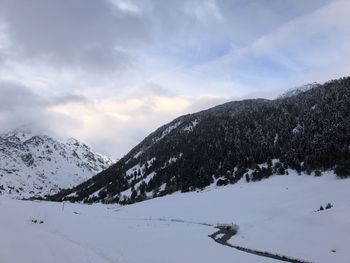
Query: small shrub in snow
[(221, 182), (228, 227), (318, 173), (329, 206), (343, 169), (36, 221)]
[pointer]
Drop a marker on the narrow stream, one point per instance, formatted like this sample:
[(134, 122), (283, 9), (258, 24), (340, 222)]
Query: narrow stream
[(223, 235)]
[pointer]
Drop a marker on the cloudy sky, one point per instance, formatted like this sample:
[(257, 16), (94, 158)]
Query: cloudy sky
[(109, 72)]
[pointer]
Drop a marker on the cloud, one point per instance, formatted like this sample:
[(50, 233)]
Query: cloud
[(107, 34), (70, 33), (114, 126), (151, 89), (111, 71), (126, 6), (306, 48), (68, 98), (111, 125), (20, 106), (207, 101)]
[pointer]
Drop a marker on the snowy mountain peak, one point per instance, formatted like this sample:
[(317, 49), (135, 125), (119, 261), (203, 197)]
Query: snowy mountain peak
[(40, 164), (297, 90)]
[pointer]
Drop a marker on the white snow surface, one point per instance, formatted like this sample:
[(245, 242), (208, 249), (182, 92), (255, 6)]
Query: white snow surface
[(39, 164), (138, 167), (172, 160), (167, 131), (276, 215), (138, 154), (191, 126)]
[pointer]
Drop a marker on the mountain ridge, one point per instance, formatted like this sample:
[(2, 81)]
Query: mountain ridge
[(308, 132), (297, 90), (40, 164)]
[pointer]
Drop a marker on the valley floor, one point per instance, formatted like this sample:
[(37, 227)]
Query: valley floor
[(277, 215)]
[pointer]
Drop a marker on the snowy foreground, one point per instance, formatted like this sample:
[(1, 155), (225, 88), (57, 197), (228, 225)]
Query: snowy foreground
[(276, 215)]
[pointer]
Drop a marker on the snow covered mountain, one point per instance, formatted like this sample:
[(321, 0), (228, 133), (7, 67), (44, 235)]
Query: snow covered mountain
[(252, 139), (33, 164)]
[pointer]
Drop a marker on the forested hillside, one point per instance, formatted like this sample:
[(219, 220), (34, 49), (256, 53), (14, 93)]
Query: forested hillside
[(308, 132)]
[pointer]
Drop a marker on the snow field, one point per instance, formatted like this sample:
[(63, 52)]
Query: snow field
[(277, 215)]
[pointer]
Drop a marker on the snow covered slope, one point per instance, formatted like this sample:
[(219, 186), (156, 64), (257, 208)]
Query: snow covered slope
[(39, 164), (278, 215)]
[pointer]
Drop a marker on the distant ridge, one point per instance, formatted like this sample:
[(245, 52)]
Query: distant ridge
[(298, 90), (36, 164)]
